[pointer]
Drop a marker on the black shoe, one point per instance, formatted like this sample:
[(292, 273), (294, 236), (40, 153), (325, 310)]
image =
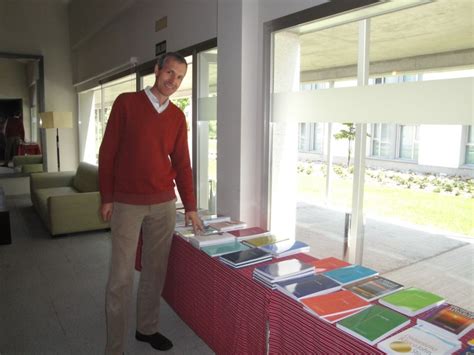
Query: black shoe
[(157, 341)]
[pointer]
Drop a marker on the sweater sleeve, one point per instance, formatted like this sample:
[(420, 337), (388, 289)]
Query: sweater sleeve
[(182, 166), (108, 150)]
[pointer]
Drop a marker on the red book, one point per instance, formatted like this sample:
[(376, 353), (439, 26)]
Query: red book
[(338, 302), (331, 263), (248, 233)]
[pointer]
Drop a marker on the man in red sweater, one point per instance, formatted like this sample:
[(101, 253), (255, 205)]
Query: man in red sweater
[(14, 135), (143, 154)]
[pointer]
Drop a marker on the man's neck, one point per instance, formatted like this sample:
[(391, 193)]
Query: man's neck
[(161, 99)]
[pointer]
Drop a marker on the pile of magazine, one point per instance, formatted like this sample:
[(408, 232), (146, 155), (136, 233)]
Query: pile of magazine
[(244, 258), (286, 270)]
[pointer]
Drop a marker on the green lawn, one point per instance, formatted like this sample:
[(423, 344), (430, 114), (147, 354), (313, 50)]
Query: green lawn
[(445, 212)]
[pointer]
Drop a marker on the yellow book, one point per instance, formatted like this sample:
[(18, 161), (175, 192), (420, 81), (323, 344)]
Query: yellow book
[(263, 240)]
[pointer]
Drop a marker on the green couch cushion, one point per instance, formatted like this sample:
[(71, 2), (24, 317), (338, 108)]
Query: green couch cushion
[(87, 178), (32, 168)]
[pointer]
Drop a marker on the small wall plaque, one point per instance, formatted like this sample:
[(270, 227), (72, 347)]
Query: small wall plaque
[(160, 48)]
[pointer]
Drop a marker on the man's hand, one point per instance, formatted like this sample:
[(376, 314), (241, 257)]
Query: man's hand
[(106, 211), (196, 222)]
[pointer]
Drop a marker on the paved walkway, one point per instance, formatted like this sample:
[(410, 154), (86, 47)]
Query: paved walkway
[(433, 261)]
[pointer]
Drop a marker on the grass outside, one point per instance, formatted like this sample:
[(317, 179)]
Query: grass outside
[(444, 212)]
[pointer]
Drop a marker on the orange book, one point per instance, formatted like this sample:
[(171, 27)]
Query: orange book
[(331, 263), (334, 303)]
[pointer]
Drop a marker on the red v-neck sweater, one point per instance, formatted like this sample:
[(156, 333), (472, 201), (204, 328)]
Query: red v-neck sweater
[(143, 153)]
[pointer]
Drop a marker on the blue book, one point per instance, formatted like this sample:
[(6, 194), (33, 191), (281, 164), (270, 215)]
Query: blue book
[(286, 248), (352, 273), (222, 249), (244, 258), (308, 286)]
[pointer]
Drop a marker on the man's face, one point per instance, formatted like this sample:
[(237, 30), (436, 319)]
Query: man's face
[(169, 78)]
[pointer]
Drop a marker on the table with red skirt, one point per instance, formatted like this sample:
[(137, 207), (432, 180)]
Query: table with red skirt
[(234, 314)]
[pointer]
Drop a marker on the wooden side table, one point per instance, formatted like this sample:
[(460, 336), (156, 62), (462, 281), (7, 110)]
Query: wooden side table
[(5, 231)]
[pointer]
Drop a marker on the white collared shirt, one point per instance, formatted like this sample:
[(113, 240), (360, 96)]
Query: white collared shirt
[(154, 101)]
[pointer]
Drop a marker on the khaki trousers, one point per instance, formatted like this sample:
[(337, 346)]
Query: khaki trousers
[(157, 223)]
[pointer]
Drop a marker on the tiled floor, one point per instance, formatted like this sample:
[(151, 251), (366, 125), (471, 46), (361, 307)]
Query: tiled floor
[(52, 293)]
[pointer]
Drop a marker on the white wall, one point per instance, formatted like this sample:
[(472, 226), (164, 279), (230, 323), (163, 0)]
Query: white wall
[(41, 27), (126, 29), (241, 186), (440, 145)]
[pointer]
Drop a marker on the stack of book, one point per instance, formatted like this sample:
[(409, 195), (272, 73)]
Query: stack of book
[(373, 324), (204, 239), (334, 306), (412, 301), (308, 286), (352, 273), (374, 288), (245, 258), (225, 248), (286, 248), (226, 226), (448, 321), (249, 233), (419, 340), (213, 218), (285, 270), (187, 232), (263, 240)]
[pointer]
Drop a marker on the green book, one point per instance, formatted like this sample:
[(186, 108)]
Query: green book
[(373, 324), (222, 249), (412, 301)]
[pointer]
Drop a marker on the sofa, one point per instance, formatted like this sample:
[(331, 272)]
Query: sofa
[(68, 202), (28, 163)]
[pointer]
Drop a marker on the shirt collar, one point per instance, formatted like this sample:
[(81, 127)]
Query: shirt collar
[(154, 101)]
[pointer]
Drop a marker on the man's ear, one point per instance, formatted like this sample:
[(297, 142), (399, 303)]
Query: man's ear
[(157, 69)]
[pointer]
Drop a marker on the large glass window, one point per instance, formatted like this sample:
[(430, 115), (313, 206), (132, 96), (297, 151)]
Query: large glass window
[(416, 195), (382, 140), (470, 146), (409, 142)]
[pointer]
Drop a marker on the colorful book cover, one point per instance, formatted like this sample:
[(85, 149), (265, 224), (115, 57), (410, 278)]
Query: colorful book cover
[(222, 249), (308, 286), (263, 240), (334, 303), (412, 301), (349, 274), (373, 324), (419, 340), (450, 320), (374, 288), (330, 263), (248, 233)]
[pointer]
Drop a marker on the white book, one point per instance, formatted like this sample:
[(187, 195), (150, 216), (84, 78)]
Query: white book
[(200, 241), (419, 340)]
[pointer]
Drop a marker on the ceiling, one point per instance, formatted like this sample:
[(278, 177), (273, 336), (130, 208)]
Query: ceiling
[(442, 26), (437, 27)]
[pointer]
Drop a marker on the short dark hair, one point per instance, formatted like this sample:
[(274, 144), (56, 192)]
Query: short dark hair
[(175, 55)]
